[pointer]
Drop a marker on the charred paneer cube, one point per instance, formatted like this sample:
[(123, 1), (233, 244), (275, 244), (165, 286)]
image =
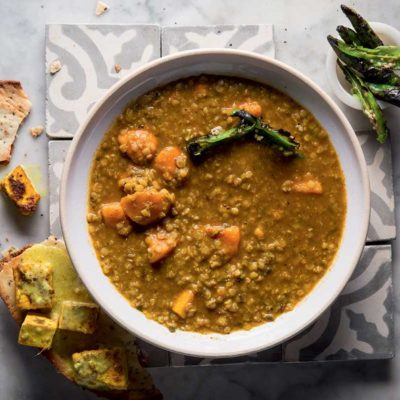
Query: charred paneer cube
[(103, 369), (19, 188), (78, 316), (33, 286), (37, 331)]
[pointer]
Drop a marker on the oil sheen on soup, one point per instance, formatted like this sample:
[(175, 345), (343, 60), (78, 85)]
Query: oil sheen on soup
[(227, 243)]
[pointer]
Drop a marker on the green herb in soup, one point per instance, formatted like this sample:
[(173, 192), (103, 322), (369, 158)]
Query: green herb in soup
[(225, 244), (249, 126)]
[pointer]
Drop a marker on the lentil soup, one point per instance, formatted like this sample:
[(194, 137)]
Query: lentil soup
[(225, 244)]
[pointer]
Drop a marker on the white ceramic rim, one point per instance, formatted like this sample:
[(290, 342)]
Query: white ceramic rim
[(358, 244), (331, 70)]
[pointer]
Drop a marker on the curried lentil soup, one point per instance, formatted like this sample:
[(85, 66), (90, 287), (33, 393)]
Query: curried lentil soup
[(225, 244)]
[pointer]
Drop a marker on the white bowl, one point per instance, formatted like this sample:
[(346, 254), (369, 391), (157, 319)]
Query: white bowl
[(74, 196), (336, 79)]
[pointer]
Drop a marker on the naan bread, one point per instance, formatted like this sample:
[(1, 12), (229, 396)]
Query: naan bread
[(14, 108), (108, 333)]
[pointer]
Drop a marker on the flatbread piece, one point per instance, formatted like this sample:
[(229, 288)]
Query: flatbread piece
[(14, 108), (108, 334)]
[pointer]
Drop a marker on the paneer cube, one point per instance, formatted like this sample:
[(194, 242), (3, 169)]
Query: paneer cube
[(33, 286), (19, 188), (78, 316), (37, 331), (103, 369)]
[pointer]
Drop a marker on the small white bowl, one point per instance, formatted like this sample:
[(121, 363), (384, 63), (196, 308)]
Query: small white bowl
[(336, 79), (74, 198)]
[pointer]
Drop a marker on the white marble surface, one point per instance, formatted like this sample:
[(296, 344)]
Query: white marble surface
[(300, 30)]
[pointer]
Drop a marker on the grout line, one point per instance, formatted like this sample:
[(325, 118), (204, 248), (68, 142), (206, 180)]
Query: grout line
[(383, 242), (59, 139), (161, 37)]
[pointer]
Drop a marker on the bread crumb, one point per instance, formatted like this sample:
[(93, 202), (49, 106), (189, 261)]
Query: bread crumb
[(37, 131), (117, 68), (55, 66), (101, 8)]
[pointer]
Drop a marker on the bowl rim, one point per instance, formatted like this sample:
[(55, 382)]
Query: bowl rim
[(358, 244)]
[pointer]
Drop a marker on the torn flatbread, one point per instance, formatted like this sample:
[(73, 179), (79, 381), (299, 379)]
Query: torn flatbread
[(14, 108), (68, 286)]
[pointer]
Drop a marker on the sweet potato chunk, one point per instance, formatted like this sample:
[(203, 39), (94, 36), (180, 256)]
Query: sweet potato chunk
[(114, 217), (160, 244), (229, 238), (147, 206), (182, 302), (252, 107), (311, 186), (307, 184), (171, 162), (139, 144), (112, 214), (201, 90)]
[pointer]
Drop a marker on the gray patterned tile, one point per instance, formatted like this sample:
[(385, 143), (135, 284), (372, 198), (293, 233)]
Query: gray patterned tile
[(257, 38), (379, 161), (359, 325), (88, 54), (271, 355), (57, 152), (153, 356)]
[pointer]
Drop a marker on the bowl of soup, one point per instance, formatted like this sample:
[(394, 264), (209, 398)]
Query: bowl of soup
[(215, 202)]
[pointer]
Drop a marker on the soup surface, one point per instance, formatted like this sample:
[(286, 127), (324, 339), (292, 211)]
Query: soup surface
[(225, 244)]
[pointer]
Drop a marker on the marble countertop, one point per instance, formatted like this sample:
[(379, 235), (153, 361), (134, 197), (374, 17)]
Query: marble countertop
[(300, 30)]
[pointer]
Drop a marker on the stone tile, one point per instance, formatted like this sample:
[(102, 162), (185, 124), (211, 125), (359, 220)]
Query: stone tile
[(359, 324), (88, 54), (257, 38)]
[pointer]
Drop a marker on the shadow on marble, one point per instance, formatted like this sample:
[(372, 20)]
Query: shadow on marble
[(36, 373), (18, 221), (291, 381)]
